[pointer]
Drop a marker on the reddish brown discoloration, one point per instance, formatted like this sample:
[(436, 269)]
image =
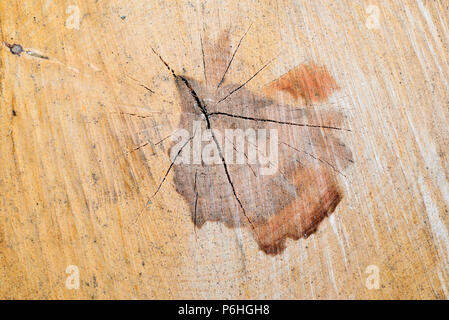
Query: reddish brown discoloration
[(308, 81), (304, 190), (318, 197)]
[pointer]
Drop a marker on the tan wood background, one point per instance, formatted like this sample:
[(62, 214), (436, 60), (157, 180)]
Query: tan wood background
[(73, 191)]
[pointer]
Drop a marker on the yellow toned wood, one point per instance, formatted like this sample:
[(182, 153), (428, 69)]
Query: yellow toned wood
[(75, 191)]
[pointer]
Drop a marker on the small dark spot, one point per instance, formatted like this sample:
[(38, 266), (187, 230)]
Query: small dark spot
[(123, 17), (14, 113), (15, 49)]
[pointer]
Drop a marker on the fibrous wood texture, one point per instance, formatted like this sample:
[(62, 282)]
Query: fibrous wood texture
[(92, 90)]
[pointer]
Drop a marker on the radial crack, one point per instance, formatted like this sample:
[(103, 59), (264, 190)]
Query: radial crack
[(316, 158), (196, 202), (171, 165), (232, 58), (204, 60), (208, 125), (243, 84), (142, 85), (230, 181), (277, 121), (233, 146)]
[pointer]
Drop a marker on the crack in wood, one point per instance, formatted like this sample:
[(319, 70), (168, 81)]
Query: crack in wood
[(302, 192)]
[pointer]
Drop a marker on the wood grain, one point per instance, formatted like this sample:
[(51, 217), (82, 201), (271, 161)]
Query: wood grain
[(83, 112)]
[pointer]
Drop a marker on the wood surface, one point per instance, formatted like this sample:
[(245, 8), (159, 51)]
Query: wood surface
[(87, 104)]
